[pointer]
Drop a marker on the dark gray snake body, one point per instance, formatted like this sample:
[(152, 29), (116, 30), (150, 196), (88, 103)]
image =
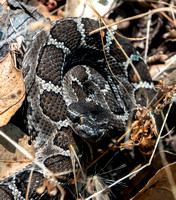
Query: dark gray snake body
[(70, 89)]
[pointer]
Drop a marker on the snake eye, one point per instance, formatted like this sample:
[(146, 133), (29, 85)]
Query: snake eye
[(78, 120), (81, 120)]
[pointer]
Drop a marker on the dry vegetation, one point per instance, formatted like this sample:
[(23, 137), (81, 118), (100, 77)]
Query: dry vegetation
[(143, 166)]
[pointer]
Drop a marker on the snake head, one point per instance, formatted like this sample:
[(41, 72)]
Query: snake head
[(89, 120)]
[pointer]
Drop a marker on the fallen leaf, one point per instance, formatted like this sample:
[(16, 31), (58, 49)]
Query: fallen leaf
[(11, 159), (160, 186), (140, 180), (12, 89)]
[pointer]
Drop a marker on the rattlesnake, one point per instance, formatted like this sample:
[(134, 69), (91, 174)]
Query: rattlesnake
[(71, 91)]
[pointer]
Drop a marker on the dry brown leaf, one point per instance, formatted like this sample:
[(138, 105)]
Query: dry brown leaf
[(140, 180), (11, 159), (12, 89), (143, 132), (159, 186)]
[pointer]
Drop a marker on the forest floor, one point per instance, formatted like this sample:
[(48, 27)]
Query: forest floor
[(151, 27)]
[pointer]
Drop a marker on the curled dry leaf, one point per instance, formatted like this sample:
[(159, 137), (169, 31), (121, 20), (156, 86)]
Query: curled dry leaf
[(160, 186), (169, 96), (12, 89), (157, 58), (143, 132), (138, 184)]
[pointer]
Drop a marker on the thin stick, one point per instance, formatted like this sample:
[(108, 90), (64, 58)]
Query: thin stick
[(29, 184), (151, 12), (147, 37), (17, 146), (167, 17)]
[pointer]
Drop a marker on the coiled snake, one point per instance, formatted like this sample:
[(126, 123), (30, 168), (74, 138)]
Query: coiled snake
[(70, 90)]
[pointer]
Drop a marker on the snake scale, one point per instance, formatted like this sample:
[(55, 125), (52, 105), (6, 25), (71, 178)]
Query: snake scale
[(72, 93)]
